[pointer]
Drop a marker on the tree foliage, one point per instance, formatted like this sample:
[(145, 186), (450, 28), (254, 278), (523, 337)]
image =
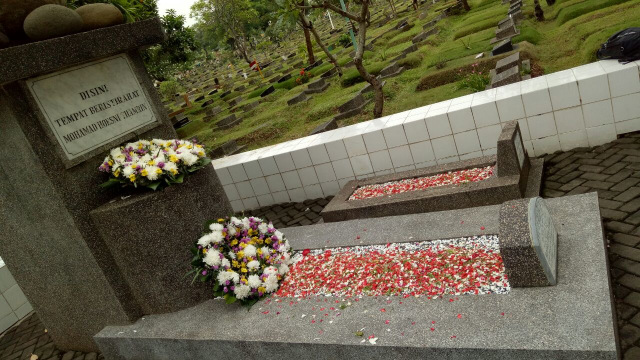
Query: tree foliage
[(133, 10), (175, 52)]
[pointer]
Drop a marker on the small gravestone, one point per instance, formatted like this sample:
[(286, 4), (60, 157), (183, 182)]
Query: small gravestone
[(250, 106), (430, 24), (506, 77), (314, 65), (410, 49), (528, 243), (368, 87), (267, 91), (420, 37), (207, 103), (226, 149), (328, 126), (298, 99), (504, 33), (235, 101), (351, 108), (225, 94), (212, 92), (228, 122), (508, 62), (274, 79), (506, 23), (316, 87), (329, 73), (391, 70), (239, 88), (502, 47)]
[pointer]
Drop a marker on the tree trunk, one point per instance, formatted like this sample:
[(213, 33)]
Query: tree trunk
[(375, 83), (465, 5), (332, 59), (307, 40), (393, 7)]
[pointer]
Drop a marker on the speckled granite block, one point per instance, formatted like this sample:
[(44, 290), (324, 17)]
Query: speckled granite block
[(528, 243), (150, 235)]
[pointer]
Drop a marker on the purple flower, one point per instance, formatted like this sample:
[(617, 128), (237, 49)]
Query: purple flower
[(232, 288), (204, 272), (161, 165), (227, 282), (226, 290)]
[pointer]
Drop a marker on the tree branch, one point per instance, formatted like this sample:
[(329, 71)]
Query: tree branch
[(326, 5)]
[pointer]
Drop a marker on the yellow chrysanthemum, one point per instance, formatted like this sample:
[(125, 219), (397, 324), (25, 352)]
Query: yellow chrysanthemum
[(262, 289), (243, 245), (220, 220), (244, 270), (204, 251), (234, 242), (240, 254), (144, 172), (132, 177), (158, 171), (173, 158), (117, 173)]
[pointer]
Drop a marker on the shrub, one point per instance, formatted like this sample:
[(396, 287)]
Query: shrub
[(286, 85), (476, 80), (352, 76), (573, 12), (169, 88), (474, 28), (345, 40), (528, 34)]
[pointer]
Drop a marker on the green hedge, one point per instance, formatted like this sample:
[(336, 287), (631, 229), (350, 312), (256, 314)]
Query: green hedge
[(573, 12), (352, 76)]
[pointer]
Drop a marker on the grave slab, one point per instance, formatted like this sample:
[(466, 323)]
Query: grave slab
[(571, 320), (515, 176), (509, 76)]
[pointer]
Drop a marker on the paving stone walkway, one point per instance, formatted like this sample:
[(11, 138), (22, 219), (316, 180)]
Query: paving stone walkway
[(612, 170)]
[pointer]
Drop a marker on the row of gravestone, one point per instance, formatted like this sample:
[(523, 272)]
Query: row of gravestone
[(507, 28)]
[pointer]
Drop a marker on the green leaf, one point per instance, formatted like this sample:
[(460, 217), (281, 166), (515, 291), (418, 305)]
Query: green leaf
[(230, 299), (179, 179), (154, 185), (110, 183), (249, 303), (195, 277)]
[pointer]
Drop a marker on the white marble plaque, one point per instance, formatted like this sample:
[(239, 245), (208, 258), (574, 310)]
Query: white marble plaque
[(544, 237), (92, 105), (519, 149)]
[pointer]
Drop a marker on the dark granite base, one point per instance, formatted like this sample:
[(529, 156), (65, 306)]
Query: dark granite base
[(572, 320), (150, 235), (494, 190)]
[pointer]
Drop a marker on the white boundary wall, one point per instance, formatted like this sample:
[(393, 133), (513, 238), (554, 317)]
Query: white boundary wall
[(581, 107)]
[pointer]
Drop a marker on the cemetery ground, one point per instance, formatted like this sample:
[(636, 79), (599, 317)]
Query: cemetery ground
[(569, 36), (612, 170)]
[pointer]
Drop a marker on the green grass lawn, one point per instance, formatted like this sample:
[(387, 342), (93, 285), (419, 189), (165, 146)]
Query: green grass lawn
[(570, 35)]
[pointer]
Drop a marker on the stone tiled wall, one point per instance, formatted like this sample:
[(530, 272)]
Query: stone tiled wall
[(585, 106), (13, 304)]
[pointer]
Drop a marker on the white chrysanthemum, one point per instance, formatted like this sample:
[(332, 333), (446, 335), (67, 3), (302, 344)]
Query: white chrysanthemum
[(253, 265), (241, 291), (250, 251), (128, 171), (271, 283), (271, 270), (170, 166), (285, 248), (145, 159), (144, 142), (224, 276), (232, 255), (225, 262), (216, 227), (284, 268), (286, 258), (160, 158), (205, 240), (216, 237), (256, 219), (263, 228), (265, 250), (231, 230), (279, 235), (116, 152), (189, 159), (158, 142), (152, 172), (246, 224), (235, 221), (254, 281), (212, 258)]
